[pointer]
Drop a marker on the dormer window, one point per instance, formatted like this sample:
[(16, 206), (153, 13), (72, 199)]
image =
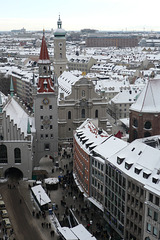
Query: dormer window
[(137, 171), (154, 180), (128, 166), (146, 175), (120, 160)]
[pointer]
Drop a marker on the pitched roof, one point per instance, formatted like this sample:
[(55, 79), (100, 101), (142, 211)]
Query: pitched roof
[(44, 51), (149, 99)]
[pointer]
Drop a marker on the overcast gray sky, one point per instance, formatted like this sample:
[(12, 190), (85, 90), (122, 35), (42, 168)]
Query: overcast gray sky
[(76, 15)]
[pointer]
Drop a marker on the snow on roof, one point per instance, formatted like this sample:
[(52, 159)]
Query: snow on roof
[(110, 146), (138, 155), (125, 121), (67, 233), (92, 135), (149, 99), (18, 115), (65, 82), (51, 180), (126, 96), (40, 195), (81, 232), (96, 203)]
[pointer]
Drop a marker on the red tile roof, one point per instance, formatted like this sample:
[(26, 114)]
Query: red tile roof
[(44, 51)]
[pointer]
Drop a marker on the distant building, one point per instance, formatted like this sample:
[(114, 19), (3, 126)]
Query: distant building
[(81, 64), (112, 41), (118, 107)]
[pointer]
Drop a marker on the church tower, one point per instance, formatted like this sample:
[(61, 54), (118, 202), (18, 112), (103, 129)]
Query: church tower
[(60, 60), (45, 110), (145, 112)]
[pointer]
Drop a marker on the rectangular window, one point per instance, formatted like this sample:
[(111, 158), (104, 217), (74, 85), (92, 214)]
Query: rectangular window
[(148, 227), (41, 117), (149, 212), (95, 163), (41, 107), (157, 201), (50, 107), (154, 231), (51, 135), (41, 127), (155, 216), (50, 117), (41, 136), (98, 165), (50, 126), (46, 147), (46, 136), (151, 197)]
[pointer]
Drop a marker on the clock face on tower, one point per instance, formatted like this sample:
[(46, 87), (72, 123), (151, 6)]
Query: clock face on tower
[(45, 101)]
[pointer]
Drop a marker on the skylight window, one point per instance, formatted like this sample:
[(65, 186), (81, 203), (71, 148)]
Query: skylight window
[(140, 153)]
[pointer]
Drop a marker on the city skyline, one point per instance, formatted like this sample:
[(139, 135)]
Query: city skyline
[(111, 15)]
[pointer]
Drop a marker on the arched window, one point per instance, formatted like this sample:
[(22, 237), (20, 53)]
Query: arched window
[(69, 114), (147, 125), (135, 134), (83, 113), (17, 155), (147, 134), (135, 122), (3, 154), (60, 55), (45, 69), (96, 113)]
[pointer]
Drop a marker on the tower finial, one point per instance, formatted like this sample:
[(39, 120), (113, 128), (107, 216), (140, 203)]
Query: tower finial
[(59, 22)]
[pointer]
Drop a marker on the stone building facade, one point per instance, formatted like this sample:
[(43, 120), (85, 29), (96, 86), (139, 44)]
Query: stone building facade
[(15, 137), (82, 103), (45, 110)]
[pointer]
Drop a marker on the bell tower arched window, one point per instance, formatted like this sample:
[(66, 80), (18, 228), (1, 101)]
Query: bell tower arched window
[(3, 154), (147, 125), (69, 114), (135, 122), (96, 113)]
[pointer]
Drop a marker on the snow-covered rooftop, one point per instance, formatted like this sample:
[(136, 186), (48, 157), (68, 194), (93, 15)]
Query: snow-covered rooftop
[(18, 115), (149, 99)]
